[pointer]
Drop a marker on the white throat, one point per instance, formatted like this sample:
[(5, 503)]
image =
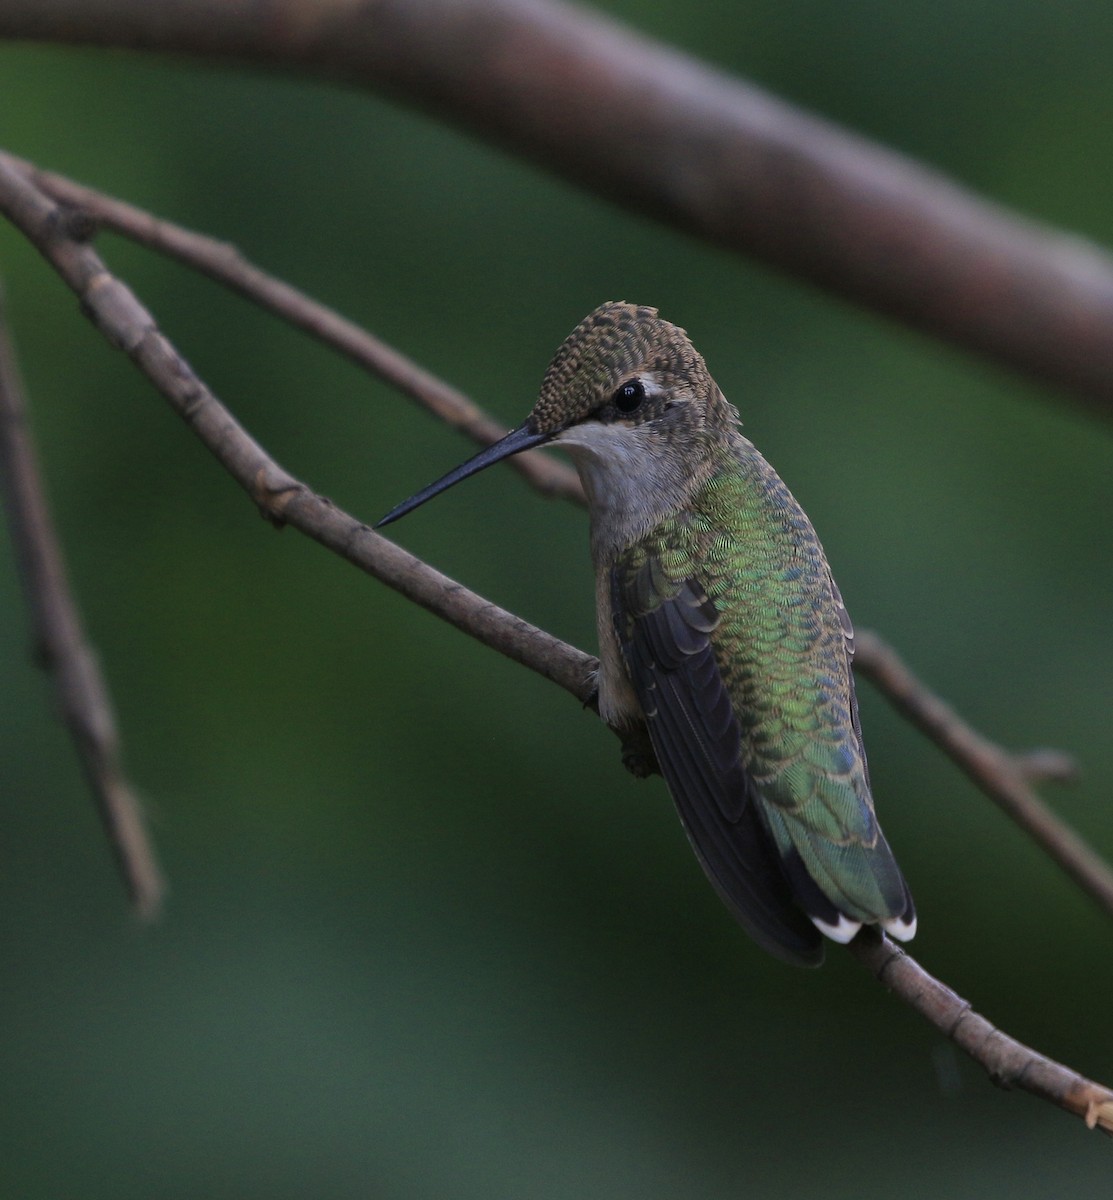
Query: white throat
[(631, 480)]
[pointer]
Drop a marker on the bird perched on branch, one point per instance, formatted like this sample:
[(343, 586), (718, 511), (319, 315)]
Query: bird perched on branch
[(720, 626)]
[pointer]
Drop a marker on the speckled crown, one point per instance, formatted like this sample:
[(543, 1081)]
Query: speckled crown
[(616, 341)]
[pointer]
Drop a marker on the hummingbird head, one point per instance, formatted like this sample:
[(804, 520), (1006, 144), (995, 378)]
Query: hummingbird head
[(631, 399), (623, 388), (625, 365)]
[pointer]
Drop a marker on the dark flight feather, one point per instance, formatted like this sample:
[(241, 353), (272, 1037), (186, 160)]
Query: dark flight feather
[(667, 649)]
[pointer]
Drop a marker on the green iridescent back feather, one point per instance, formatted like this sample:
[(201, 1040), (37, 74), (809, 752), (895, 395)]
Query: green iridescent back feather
[(782, 645)]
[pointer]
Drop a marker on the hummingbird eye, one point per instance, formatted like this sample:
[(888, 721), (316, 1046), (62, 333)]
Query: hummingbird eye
[(628, 397)]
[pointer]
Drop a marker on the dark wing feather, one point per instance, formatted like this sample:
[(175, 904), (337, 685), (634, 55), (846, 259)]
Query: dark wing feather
[(664, 629)]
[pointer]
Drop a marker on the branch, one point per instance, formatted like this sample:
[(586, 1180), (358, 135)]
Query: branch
[(82, 694), (657, 131), (1008, 1063), (283, 499)]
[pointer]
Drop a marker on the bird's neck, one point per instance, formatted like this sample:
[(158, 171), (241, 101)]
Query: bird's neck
[(634, 482)]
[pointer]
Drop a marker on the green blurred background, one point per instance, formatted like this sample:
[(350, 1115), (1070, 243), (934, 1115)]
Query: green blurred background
[(425, 937)]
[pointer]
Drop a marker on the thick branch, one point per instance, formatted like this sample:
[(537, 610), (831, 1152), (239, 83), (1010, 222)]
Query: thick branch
[(82, 694), (653, 129)]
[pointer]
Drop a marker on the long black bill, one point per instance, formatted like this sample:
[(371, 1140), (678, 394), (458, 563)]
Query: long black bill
[(515, 441)]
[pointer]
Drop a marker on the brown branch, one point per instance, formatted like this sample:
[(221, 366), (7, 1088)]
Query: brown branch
[(658, 131), (225, 264), (1003, 777), (124, 321), (62, 648), (1009, 1063)]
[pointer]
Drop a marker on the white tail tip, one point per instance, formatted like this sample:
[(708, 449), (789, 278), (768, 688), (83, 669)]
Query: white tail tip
[(902, 930), (842, 932)]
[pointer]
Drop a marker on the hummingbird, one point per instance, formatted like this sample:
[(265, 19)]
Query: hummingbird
[(721, 629)]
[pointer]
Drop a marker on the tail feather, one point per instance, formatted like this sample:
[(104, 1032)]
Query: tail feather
[(882, 897)]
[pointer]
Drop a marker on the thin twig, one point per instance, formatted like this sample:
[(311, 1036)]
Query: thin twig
[(62, 648), (225, 264), (1002, 776), (654, 130), (128, 325), (1009, 1063)]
